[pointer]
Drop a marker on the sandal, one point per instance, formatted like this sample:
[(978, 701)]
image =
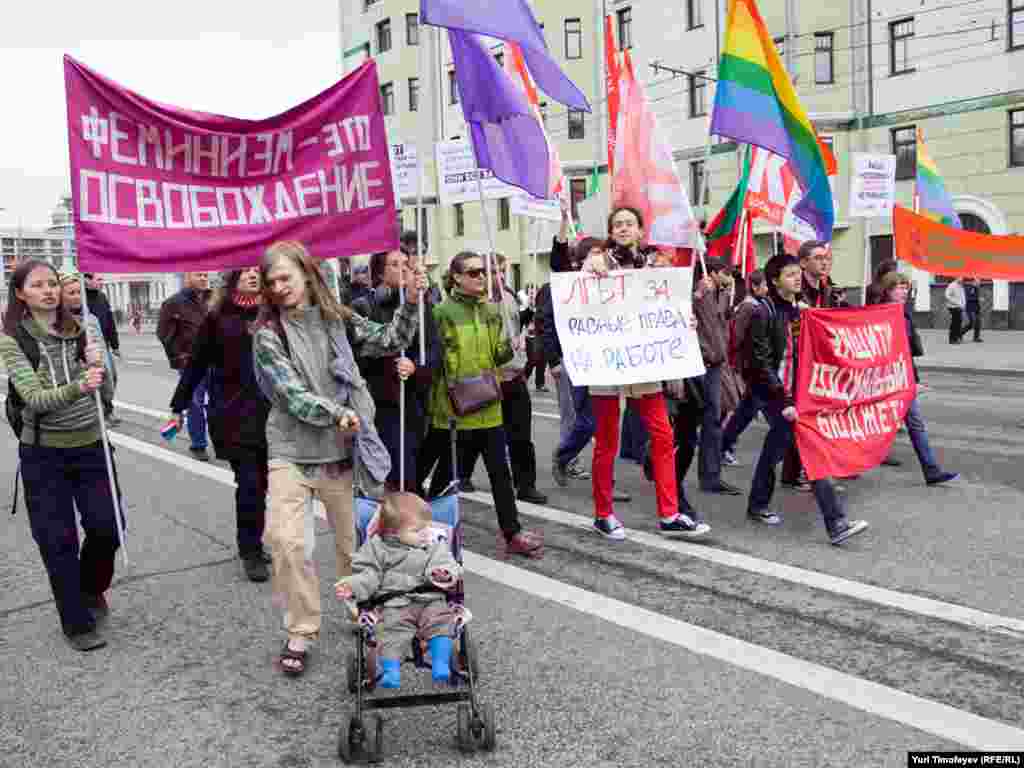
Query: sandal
[(293, 663)]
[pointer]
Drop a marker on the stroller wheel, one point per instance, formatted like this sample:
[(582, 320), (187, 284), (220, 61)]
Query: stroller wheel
[(463, 715), (488, 735), (358, 744)]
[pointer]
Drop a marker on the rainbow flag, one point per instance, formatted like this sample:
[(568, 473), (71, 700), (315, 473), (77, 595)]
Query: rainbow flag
[(933, 200), (755, 103)]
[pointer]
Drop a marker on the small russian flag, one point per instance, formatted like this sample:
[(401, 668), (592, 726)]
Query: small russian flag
[(169, 430)]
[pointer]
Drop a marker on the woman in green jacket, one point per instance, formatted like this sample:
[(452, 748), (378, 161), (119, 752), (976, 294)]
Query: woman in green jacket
[(474, 342)]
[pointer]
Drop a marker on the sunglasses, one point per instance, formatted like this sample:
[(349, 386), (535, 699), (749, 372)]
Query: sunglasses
[(478, 272)]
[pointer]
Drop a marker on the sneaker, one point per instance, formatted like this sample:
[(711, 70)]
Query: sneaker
[(199, 454), (255, 567), (466, 486), (852, 529), (800, 485), (89, 640), (560, 473), (576, 472), (526, 543), (610, 528), (97, 605), (943, 477), (682, 527), (729, 459), (532, 496), (765, 516), (622, 496)]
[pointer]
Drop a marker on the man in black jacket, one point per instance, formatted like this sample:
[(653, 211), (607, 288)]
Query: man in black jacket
[(384, 374), (775, 331), (180, 318), (99, 306)]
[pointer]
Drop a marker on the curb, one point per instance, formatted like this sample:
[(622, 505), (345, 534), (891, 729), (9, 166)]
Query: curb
[(1010, 373)]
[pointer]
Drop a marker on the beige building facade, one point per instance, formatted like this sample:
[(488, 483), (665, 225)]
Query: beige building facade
[(867, 72)]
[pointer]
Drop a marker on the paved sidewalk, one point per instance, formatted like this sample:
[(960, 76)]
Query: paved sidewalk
[(1000, 352)]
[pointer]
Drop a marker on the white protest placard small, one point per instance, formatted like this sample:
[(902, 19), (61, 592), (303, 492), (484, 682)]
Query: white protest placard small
[(405, 171), (872, 185), (630, 327), (458, 174), (534, 208)]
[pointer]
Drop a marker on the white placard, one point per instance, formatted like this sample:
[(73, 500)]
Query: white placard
[(458, 174), (872, 185), (630, 327), (534, 208), (405, 171)]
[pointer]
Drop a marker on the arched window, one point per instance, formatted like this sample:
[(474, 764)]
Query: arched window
[(973, 223)]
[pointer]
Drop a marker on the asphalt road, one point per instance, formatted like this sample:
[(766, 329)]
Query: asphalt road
[(760, 648)]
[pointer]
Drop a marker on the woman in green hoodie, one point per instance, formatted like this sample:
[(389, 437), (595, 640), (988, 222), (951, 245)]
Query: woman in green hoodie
[(474, 342), (54, 370)]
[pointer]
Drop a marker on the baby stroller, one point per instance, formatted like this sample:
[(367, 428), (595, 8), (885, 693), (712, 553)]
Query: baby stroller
[(475, 723)]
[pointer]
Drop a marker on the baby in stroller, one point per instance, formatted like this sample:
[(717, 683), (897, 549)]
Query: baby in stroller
[(404, 570)]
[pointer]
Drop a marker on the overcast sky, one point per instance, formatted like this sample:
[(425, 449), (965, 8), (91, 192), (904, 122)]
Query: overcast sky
[(243, 59)]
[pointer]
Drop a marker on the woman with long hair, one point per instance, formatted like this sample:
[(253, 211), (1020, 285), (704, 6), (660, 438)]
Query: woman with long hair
[(321, 419), (237, 411), (54, 369)]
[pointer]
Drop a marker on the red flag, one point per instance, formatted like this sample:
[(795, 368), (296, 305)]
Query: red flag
[(645, 173), (611, 76), (854, 387)]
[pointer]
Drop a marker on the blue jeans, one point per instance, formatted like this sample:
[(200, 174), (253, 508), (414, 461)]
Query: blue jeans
[(780, 435), (57, 480), (918, 432), (709, 461), (582, 430), (741, 418), (197, 415)]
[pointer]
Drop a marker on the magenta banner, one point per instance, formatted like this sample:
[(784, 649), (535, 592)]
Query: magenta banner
[(158, 188)]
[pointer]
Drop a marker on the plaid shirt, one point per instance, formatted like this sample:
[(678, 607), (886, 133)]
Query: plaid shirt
[(292, 394)]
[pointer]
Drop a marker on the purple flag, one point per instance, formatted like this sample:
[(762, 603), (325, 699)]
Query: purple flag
[(510, 20), (506, 136)]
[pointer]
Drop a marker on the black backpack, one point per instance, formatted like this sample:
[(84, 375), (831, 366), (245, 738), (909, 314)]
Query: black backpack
[(15, 405)]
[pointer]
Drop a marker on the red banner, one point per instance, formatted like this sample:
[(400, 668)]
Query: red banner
[(854, 387)]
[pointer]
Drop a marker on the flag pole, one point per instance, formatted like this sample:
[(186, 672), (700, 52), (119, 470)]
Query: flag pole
[(421, 171), (121, 532)]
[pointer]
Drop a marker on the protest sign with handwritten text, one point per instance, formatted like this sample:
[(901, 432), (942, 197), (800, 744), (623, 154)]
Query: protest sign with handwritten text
[(630, 327), (854, 387)]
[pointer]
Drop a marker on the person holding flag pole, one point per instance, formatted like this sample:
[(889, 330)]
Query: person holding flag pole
[(57, 371)]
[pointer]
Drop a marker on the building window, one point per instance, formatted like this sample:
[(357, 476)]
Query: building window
[(576, 129), (900, 34), (504, 214), (460, 220), (904, 146), (543, 107), (573, 39), (387, 98), (824, 62), (412, 29), (1017, 137), (453, 88), (698, 94), (414, 94), (971, 223), (625, 19), (697, 183), (384, 36), (694, 14), (499, 59), (780, 46), (1015, 25), (577, 194)]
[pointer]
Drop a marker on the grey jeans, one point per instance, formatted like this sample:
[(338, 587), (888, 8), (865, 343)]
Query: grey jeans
[(566, 409)]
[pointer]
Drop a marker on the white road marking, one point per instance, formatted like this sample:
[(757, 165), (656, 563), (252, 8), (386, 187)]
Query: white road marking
[(889, 598), (925, 715)]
